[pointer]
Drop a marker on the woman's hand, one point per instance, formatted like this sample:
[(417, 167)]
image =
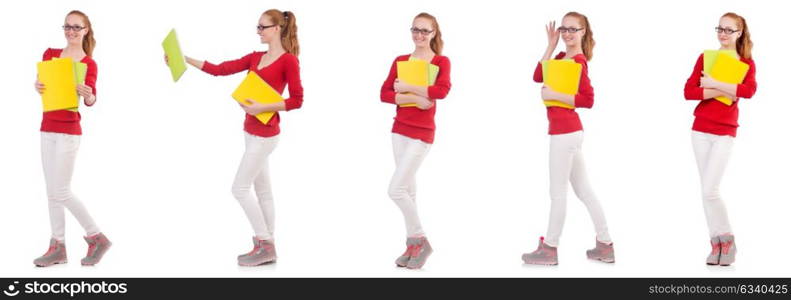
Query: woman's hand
[(85, 91), (253, 108), (553, 35), (423, 103), (548, 94), (39, 87), (707, 82), (167, 61), (400, 86)]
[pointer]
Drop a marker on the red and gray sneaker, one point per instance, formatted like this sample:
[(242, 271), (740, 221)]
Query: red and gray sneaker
[(728, 253), (263, 252), (603, 252), (544, 255), (716, 251), (56, 254), (420, 253), (98, 244), (402, 260)]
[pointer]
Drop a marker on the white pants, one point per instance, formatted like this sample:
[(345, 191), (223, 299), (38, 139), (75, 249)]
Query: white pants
[(566, 165), (58, 153), (254, 171), (409, 154), (712, 153)]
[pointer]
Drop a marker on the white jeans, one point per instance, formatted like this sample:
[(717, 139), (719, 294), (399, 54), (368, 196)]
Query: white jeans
[(254, 171), (712, 153), (409, 154), (58, 153), (566, 164)]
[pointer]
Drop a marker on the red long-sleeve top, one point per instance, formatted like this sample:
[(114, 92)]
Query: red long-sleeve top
[(283, 71), (711, 115), (563, 120), (412, 121), (66, 121)]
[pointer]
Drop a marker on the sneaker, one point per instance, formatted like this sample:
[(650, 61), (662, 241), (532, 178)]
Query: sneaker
[(56, 254), (402, 260), (716, 250), (263, 252), (544, 255), (728, 255), (603, 252), (97, 246), (420, 253)]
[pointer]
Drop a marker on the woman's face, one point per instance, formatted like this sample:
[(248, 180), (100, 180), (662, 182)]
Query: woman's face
[(74, 29), (266, 30), (728, 32), (422, 32), (571, 31)]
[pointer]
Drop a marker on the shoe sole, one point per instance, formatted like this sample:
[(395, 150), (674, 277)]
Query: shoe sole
[(604, 260), (52, 264), (259, 264)]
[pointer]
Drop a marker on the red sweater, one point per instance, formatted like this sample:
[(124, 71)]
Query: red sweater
[(712, 116), (284, 70), (66, 121), (412, 121), (563, 120)]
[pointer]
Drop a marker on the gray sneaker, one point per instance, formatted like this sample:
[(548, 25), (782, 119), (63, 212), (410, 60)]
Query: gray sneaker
[(263, 252), (728, 255), (420, 253), (56, 254), (603, 252), (97, 246), (716, 250), (544, 255), (402, 260)]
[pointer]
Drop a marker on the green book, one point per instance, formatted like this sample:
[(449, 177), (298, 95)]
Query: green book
[(80, 69), (175, 57)]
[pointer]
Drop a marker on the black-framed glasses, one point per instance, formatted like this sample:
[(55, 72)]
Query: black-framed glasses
[(263, 27), (72, 28), (569, 29), (727, 31), (421, 31)]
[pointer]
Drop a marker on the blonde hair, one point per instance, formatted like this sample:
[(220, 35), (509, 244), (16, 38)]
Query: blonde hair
[(88, 42), (436, 43), (587, 39), (744, 45), (288, 24)]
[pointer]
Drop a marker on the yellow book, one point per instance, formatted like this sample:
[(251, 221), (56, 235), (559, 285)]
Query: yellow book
[(709, 56), (60, 84), (256, 89), (562, 76), (728, 69), (415, 72)]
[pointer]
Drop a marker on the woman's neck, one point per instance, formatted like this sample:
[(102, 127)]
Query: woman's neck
[(423, 52), (275, 48), (573, 51), (74, 50)]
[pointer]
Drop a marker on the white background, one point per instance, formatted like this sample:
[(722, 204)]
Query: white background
[(157, 158)]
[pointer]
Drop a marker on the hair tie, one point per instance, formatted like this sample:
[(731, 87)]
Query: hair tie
[(285, 14)]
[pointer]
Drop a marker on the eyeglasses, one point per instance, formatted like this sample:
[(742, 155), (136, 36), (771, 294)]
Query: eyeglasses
[(423, 32), (727, 31), (569, 29), (72, 28), (263, 27)]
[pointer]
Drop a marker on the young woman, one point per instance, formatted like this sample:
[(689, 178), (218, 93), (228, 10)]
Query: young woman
[(60, 139), (413, 130), (566, 163), (278, 66), (714, 130)]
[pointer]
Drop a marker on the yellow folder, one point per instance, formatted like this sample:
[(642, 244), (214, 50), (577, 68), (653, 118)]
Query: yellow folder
[(562, 76), (256, 89), (60, 84), (709, 56), (175, 57), (417, 72), (728, 69)]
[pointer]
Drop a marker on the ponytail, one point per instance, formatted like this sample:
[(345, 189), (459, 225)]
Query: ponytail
[(88, 42), (436, 43), (587, 39), (288, 29), (744, 45)]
